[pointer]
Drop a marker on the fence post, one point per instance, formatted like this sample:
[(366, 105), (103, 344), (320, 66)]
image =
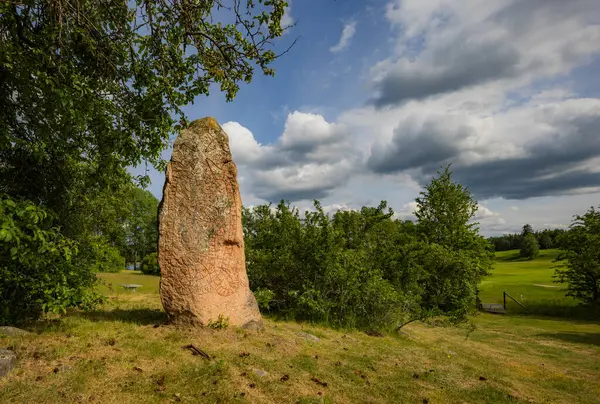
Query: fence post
[(504, 297)]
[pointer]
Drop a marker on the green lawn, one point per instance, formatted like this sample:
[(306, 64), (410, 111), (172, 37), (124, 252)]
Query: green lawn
[(125, 353), (112, 282), (530, 282)]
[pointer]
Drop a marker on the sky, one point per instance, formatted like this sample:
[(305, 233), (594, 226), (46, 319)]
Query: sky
[(377, 95)]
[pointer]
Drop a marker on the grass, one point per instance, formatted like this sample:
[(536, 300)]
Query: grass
[(112, 282), (527, 280), (124, 353), (531, 282)]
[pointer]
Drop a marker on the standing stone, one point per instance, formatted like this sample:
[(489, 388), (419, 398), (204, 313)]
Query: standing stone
[(7, 361), (201, 243)]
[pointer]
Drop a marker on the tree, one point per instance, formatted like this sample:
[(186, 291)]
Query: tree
[(105, 85), (89, 88), (455, 256), (141, 225), (545, 240), (363, 268), (527, 229), (579, 258), (322, 269), (529, 246), (444, 211)]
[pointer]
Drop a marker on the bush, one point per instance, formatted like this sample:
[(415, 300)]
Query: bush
[(150, 265), (39, 271), (106, 258), (363, 268), (302, 269)]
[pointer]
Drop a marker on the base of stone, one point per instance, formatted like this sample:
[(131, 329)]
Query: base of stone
[(192, 322)]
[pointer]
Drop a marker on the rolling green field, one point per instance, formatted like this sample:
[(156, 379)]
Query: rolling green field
[(531, 282), (125, 353), (523, 279)]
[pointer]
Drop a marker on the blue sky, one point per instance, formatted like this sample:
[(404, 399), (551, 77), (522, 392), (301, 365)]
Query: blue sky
[(378, 94), (310, 76)]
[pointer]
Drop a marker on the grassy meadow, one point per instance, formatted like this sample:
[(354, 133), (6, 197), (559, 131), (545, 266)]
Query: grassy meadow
[(124, 353), (531, 282)]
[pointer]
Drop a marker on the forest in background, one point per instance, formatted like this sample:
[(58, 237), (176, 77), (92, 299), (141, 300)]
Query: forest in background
[(546, 239)]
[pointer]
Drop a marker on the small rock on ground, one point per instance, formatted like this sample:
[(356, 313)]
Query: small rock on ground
[(7, 361), (254, 325), (13, 331), (308, 336)]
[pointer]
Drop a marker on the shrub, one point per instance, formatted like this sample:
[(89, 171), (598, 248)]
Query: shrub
[(106, 258), (320, 269), (363, 268), (39, 271), (150, 265)]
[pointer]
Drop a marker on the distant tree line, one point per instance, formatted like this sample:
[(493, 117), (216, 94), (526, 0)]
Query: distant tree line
[(546, 239)]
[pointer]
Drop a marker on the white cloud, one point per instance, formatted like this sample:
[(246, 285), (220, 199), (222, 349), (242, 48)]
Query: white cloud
[(243, 145), (484, 213), (347, 33), (474, 42), (407, 211), (335, 207), (459, 90), (306, 131), (311, 158)]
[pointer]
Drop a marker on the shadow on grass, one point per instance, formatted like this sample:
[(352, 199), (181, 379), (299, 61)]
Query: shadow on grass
[(587, 338), (556, 309), (136, 316)]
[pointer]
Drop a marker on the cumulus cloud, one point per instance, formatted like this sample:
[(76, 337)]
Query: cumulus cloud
[(336, 207), (407, 211), (445, 46), (311, 158), (421, 141), (481, 84), (530, 150), (347, 33), (484, 213)]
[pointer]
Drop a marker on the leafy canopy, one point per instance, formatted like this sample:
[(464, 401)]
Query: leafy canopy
[(444, 211), (453, 254), (39, 268), (96, 86)]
